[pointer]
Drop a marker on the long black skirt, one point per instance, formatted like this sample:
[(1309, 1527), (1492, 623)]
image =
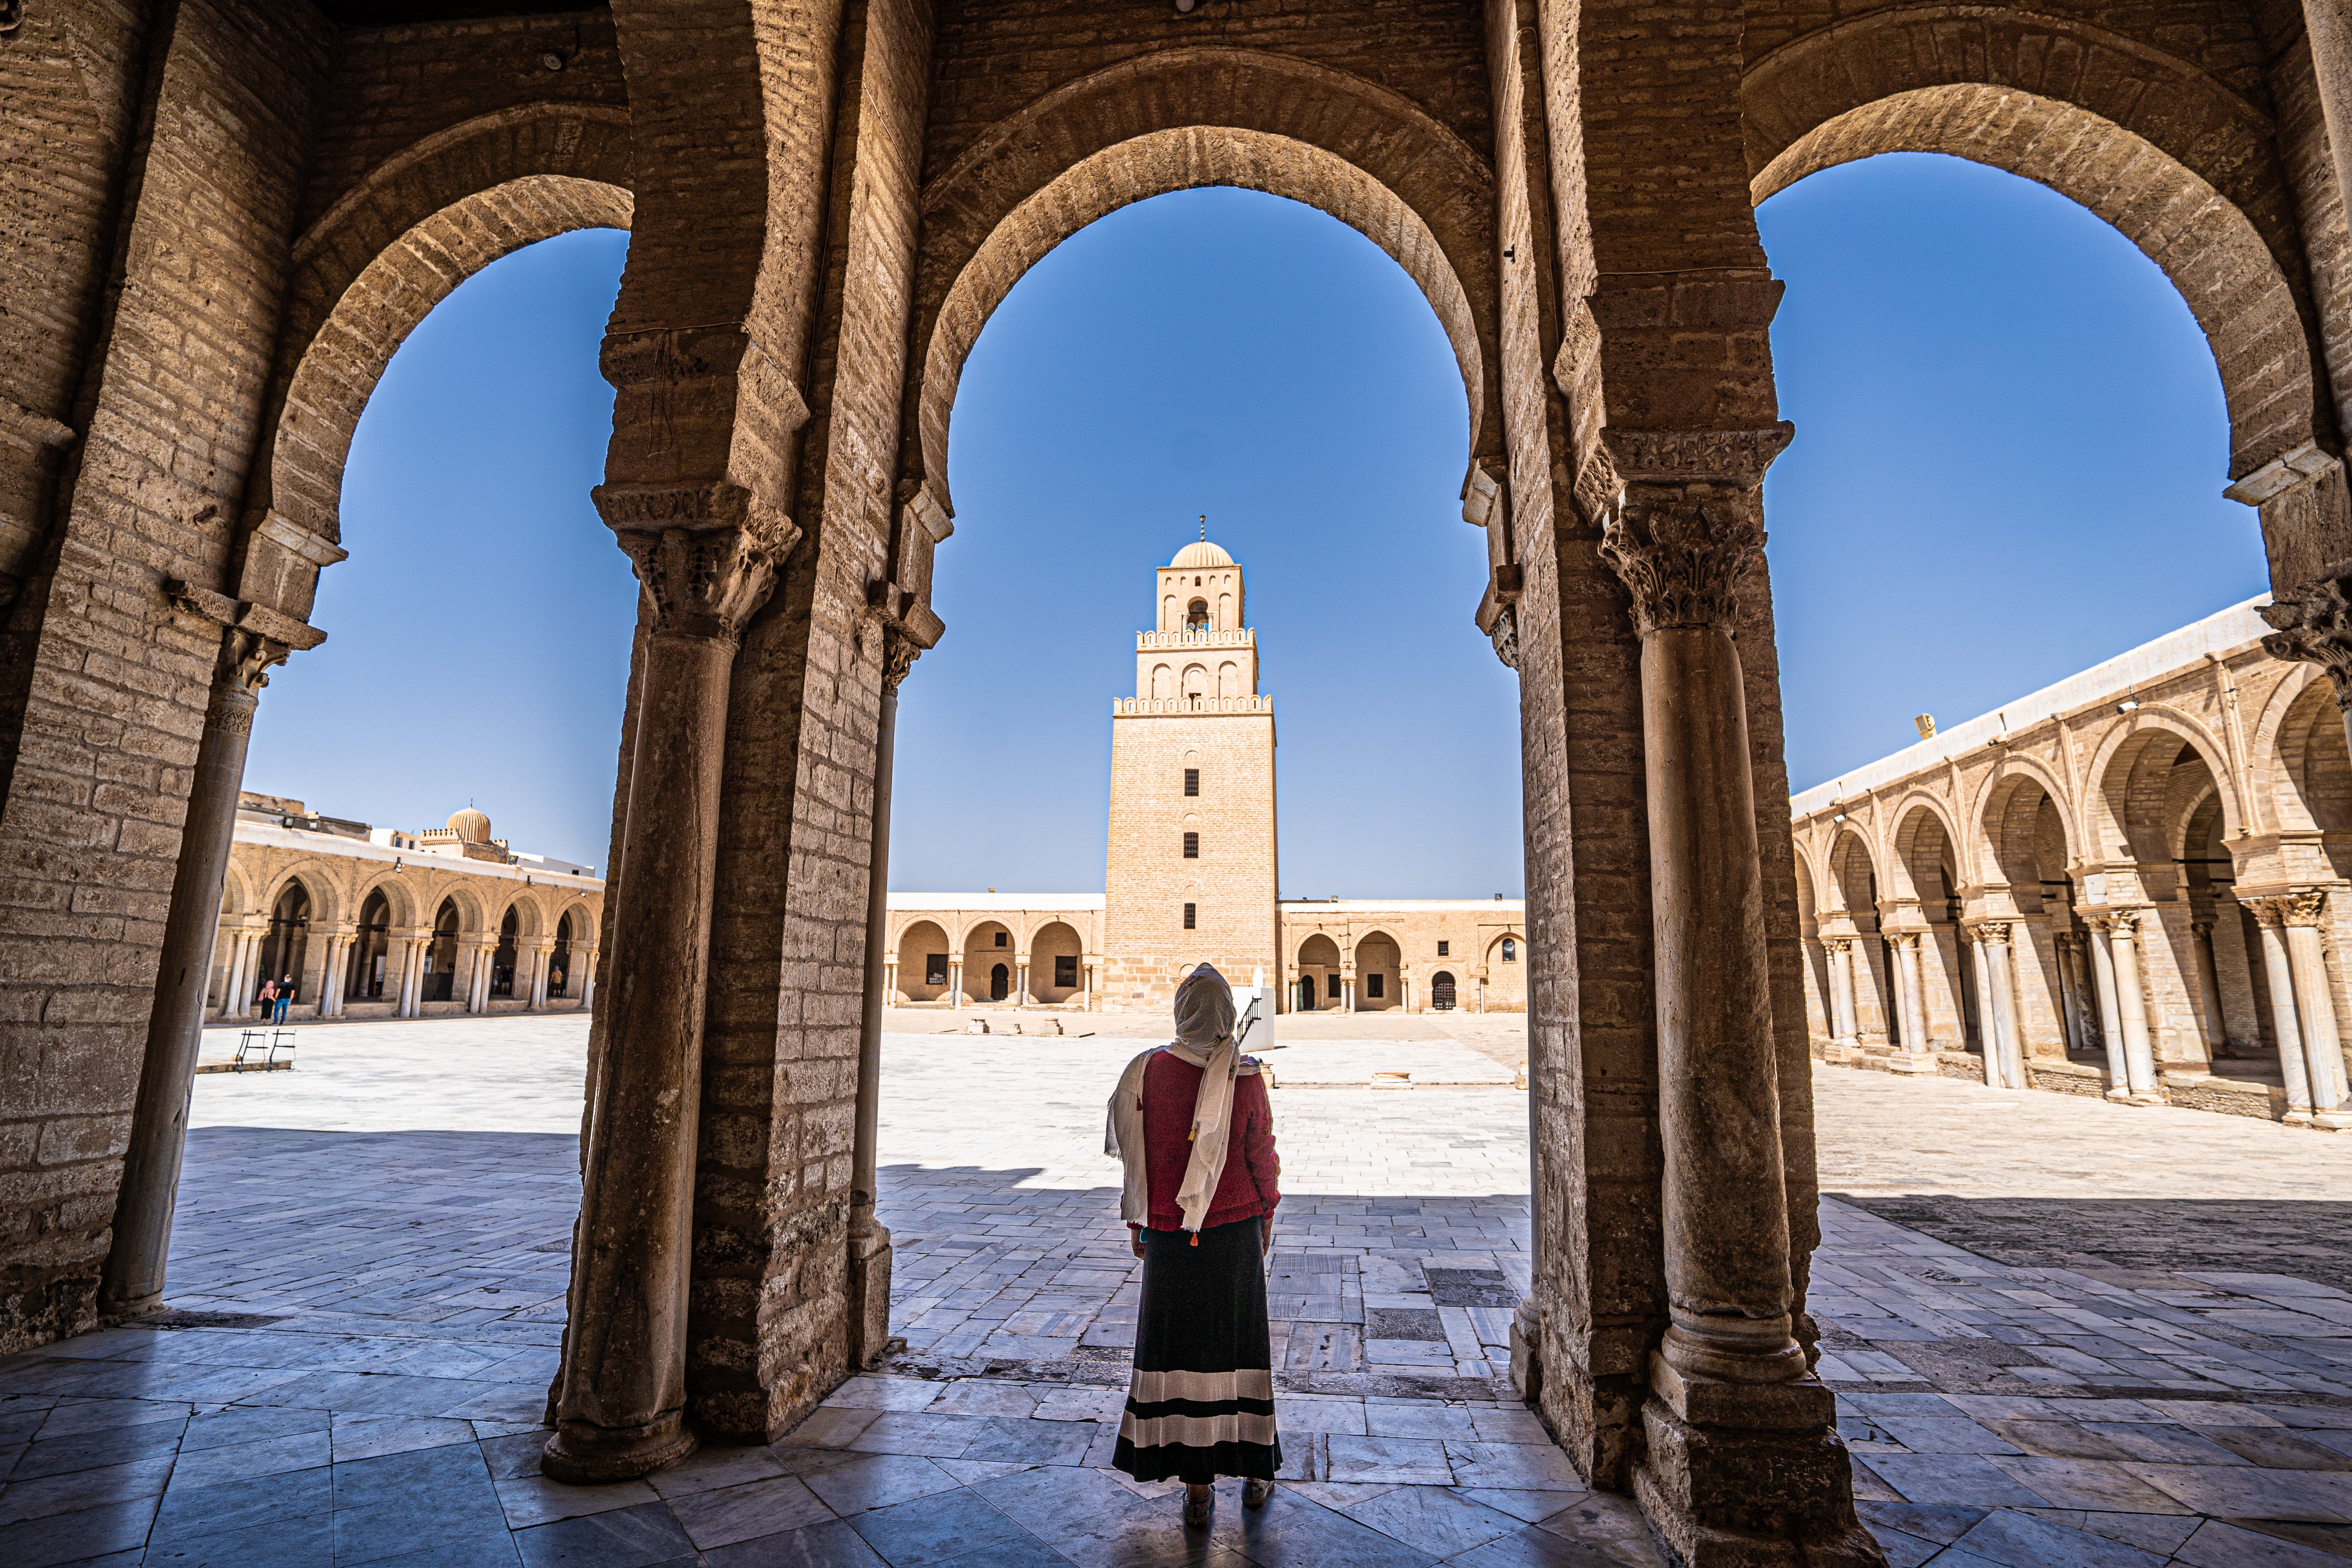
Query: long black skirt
[(1200, 1404)]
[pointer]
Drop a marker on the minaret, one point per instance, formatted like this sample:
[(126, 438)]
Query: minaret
[(1191, 872)]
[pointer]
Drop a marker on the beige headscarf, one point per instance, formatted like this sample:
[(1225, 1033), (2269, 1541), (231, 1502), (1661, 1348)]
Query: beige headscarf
[(1204, 1036)]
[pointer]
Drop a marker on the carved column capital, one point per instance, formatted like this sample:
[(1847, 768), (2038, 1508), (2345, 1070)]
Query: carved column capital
[(704, 583), (2123, 923), (1838, 943), (1682, 518), (1991, 932), (2303, 909), (898, 656), (2314, 624), (1505, 635)]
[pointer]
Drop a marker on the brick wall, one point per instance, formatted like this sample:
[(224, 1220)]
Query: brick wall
[(91, 830), (1148, 881)]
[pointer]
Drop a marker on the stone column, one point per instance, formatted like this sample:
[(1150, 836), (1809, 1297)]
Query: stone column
[(2278, 969), (2331, 65), (588, 981), (1019, 980), (1841, 1023), (134, 1281), (2071, 990), (1979, 970), (621, 1411), (2004, 1048), (870, 1240), (539, 955), (2209, 990), (1730, 1368), (2322, 1049), (478, 974), (1911, 989), (233, 976), (2140, 1056), (955, 980), (2111, 1027)]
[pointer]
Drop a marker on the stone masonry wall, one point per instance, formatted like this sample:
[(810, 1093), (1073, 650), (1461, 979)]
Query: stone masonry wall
[(1231, 884), (90, 832)]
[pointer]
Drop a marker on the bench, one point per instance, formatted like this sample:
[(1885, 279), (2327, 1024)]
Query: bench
[(266, 1041)]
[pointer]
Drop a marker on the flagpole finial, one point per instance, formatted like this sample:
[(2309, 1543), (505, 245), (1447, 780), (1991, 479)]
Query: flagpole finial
[(1204, 528)]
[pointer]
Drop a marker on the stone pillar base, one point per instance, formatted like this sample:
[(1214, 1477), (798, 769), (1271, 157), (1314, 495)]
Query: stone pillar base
[(1596, 1418), (578, 1455), (1749, 1476), (869, 1298), (1526, 1350)]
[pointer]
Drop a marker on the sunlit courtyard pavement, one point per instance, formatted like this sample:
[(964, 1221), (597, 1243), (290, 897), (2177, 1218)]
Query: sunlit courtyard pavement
[(2063, 1332)]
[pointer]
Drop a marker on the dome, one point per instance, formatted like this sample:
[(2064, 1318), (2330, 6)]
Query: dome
[(1203, 554), (470, 827)]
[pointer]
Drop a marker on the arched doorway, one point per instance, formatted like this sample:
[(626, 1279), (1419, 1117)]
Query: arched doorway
[(1056, 964), (1441, 991), (923, 969), (559, 960), (1318, 973), (502, 958), (1380, 969), (441, 954), (288, 941), (371, 949), (988, 952)]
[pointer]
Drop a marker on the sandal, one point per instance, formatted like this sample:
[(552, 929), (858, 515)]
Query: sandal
[(1255, 1492), (1196, 1507)]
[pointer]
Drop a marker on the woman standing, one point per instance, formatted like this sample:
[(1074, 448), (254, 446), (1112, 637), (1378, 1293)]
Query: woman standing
[(1192, 1123)]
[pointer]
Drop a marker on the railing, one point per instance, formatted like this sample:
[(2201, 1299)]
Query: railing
[(1132, 706), (1246, 637)]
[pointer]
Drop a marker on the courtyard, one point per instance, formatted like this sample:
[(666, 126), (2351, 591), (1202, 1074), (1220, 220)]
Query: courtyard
[(2062, 1332)]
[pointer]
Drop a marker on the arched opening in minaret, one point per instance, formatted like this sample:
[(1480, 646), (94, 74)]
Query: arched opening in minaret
[(1219, 748)]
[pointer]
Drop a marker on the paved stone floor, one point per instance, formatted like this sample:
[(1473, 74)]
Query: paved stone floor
[(2063, 1332)]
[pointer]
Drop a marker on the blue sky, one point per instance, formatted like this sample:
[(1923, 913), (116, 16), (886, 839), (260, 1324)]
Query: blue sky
[(2010, 442)]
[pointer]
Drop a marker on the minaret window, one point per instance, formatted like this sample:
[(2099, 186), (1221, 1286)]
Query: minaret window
[(1191, 847), (1189, 909), (1510, 951), (1192, 780), (1444, 948), (1196, 615)]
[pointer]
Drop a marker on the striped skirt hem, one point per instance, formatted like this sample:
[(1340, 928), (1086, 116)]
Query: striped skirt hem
[(1200, 1404)]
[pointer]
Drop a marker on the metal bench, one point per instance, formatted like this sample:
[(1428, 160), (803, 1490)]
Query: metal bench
[(266, 1041)]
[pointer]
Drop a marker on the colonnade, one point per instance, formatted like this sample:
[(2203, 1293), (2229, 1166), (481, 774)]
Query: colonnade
[(406, 946)]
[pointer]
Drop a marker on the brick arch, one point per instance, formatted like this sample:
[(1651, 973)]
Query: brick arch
[(378, 261), (2183, 167), (1180, 118), (1913, 850), (2308, 782), (2130, 775)]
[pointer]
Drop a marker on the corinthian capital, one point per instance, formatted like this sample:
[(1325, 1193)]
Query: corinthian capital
[(2315, 625), (706, 583), (2303, 909), (1685, 521), (898, 656), (1993, 933)]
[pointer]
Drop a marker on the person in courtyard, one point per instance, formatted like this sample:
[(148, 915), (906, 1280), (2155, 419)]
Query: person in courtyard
[(267, 1000), (285, 998), (1192, 1125)]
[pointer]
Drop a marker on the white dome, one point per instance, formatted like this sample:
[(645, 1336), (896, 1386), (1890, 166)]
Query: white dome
[(1201, 553)]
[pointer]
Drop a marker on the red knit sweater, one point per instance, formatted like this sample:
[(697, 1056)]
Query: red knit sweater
[(1249, 1187)]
